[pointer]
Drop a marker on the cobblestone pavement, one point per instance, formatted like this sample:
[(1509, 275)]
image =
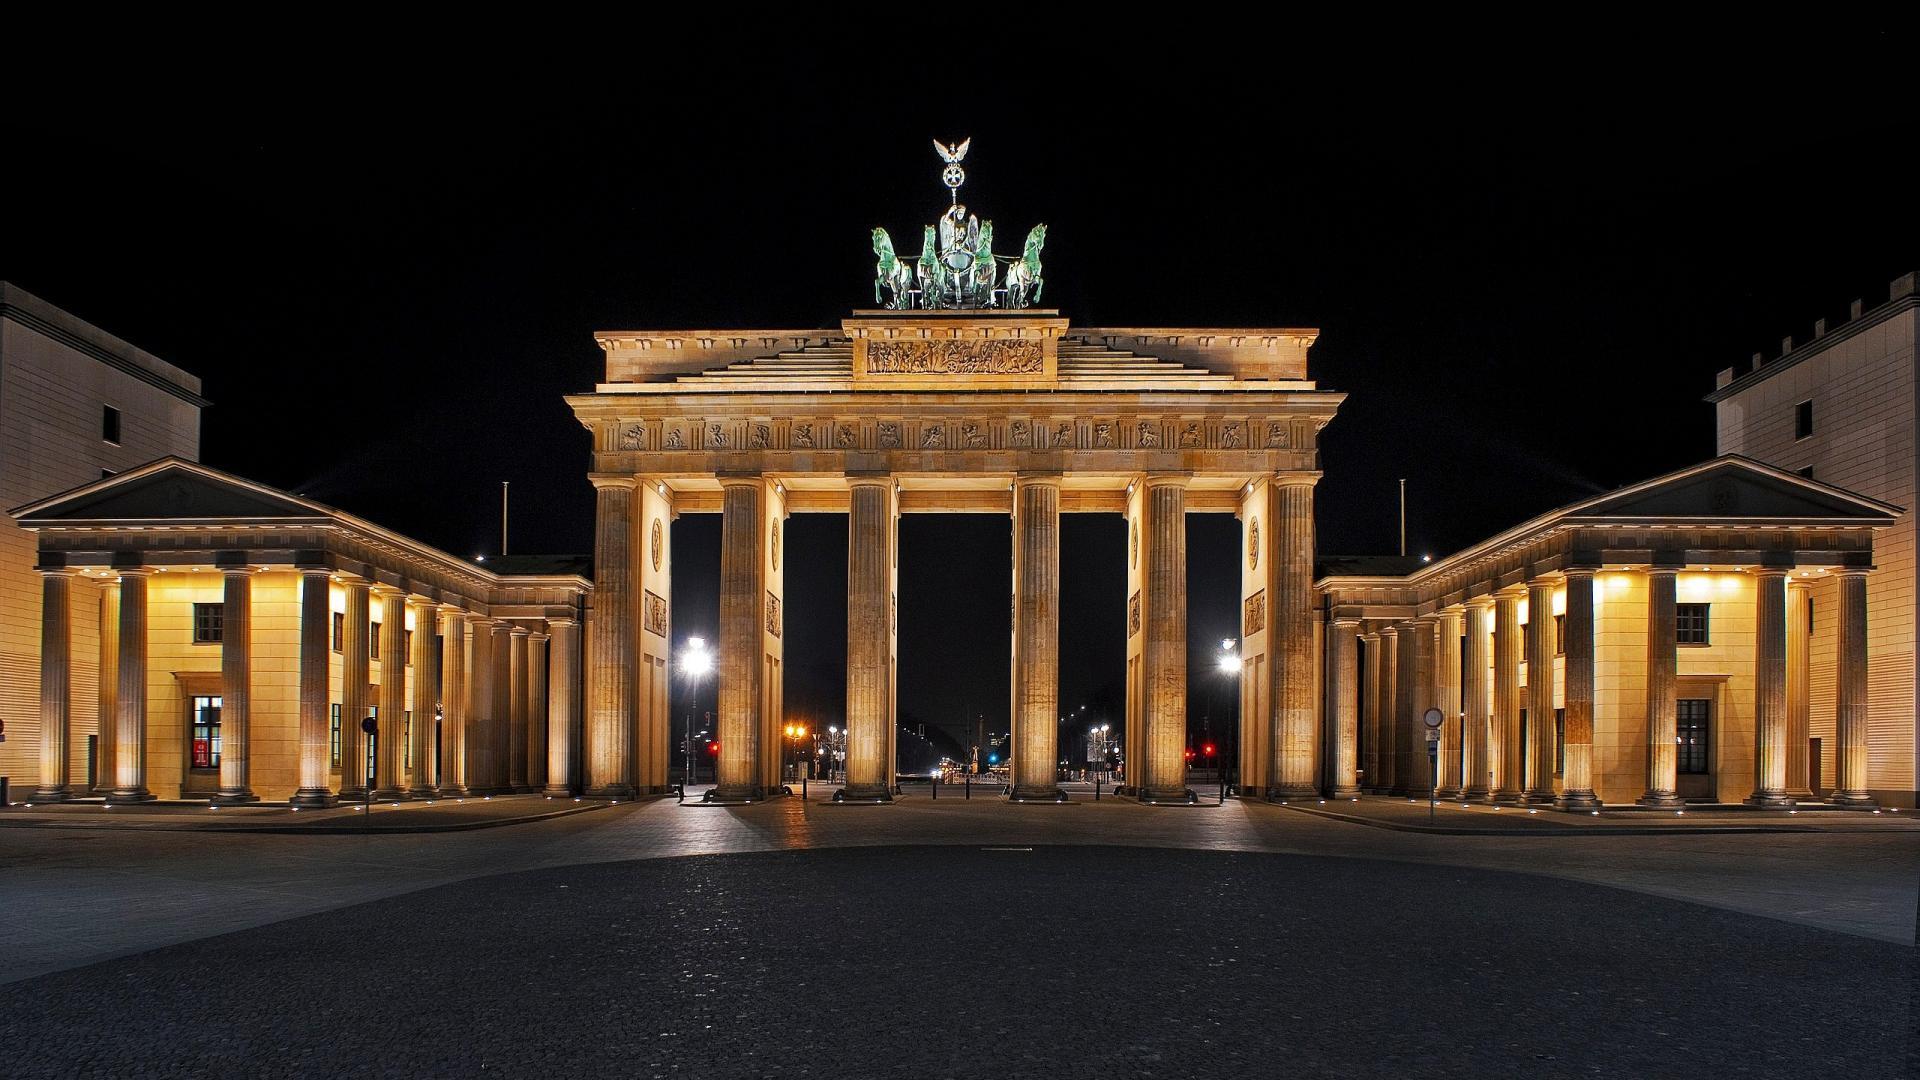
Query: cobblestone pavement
[(1007, 959), (76, 897)]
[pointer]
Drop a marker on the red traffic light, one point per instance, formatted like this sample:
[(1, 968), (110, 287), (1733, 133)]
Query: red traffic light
[(713, 749), (1207, 749), (1189, 753)]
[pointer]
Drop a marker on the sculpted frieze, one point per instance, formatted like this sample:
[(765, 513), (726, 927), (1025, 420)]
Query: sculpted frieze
[(962, 356), (889, 435), (803, 436), (633, 437), (1022, 433)]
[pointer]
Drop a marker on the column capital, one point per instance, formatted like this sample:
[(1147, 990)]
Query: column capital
[(607, 480), (1169, 479), (134, 571), (518, 630), (1581, 571), (537, 636), (1345, 620), (554, 622), (739, 479), (1297, 479), (870, 479), (55, 571), (1852, 571), (1770, 571), (1515, 591), (1033, 478), (1485, 602), (1389, 630)]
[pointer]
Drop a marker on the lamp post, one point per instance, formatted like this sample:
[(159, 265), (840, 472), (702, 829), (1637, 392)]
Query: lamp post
[(1228, 663), (696, 663)]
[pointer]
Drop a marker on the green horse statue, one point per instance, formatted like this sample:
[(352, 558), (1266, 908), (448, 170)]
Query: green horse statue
[(932, 275), (891, 275), (1023, 274)]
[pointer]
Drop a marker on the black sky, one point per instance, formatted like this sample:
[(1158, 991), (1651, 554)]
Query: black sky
[(1525, 274)]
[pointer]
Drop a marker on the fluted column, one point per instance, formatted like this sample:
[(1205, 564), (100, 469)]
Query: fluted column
[(1409, 687), (1850, 720), (743, 559), (1476, 716), (1387, 747), (1505, 749), (536, 740), (355, 685), (1343, 653), (1770, 689), (1036, 640), (1799, 672), (499, 721), (563, 725), (1446, 679), (1663, 708), (316, 655), (611, 716), (392, 751), (1426, 647), (236, 688), (517, 701), (1370, 706), (870, 545), (105, 772), (56, 684), (1576, 781), (426, 696), (130, 756), (1296, 731), (454, 680), (1540, 742)]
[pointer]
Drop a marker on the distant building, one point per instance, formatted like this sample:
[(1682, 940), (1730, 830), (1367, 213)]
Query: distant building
[(76, 404)]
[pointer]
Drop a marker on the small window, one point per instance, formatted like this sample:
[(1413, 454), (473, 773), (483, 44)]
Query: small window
[(206, 623), (1691, 735), (1560, 742), (1559, 635), (373, 641), (1690, 624), (1803, 420), (205, 735), (106, 474), (406, 646), (1806, 472), (339, 637), (110, 424), (333, 734)]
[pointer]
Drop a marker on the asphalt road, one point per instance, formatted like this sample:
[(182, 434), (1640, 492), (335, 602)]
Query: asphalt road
[(969, 961)]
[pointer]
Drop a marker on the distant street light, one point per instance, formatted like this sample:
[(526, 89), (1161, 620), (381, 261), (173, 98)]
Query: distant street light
[(696, 663)]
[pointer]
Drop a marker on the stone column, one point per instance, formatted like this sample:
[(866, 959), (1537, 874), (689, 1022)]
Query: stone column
[(1446, 679), (130, 756), (1343, 649), (1420, 769), (499, 722), (870, 544), (426, 695), (517, 701), (1296, 729), (1799, 671), (563, 722), (611, 716), (1409, 687), (316, 658), (236, 688), (1476, 717), (392, 751), (56, 683), (1370, 706), (1663, 709), (1504, 750), (355, 685), (1850, 685), (536, 740), (454, 697), (1387, 747), (743, 559), (1770, 689), (1540, 744), (1576, 783), (479, 687), (1036, 638), (105, 772)]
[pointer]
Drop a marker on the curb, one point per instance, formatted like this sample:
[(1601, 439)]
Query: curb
[(1554, 830), (310, 830)]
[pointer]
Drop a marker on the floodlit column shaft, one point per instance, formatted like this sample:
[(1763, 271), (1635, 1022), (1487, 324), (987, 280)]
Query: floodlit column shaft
[(1540, 748), (1296, 737), (1165, 626), (1387, 746), (1370, 706), (104, 770), (536, 740), (611, 715), (1446, 677), (1409, 775), (1663, 708), (316, 655), (1476, 716), (517, 703), (1576, 788), (870, 545), (1343, 651), (355, 684), (1505, 750), (1770, 689), (1420, 767), (1850, 778), (236, 688), (1036, 641), (499, 720), (743, 556), (426, 695), (454, 651), (392, 751), (563, 696), (56, 683), (1799, 672), (130, 757)]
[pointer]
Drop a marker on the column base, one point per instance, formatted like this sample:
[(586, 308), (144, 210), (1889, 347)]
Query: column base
[(1169, 797), (1505, 798), (611, 791), (1661, 800), (870, 795), (422, 793), (453, 791), (138, 795), (1576, 800), (390, 794), (558, 792), (1037, 795), (1538, 798), (311, 798), (1293, 793), (1350, 792), (60, 795), (1768, 800), (1447, 795), (1851, 801), (234, 798), (1474, 795), (352, 794)]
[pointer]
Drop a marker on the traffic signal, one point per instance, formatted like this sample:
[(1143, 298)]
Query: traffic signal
[(1207, 749), (713, 749)]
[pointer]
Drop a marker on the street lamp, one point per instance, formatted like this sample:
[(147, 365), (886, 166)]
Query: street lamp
[(1229, 664), (696, 663)]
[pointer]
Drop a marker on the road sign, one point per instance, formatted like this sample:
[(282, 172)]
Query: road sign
[(1434, 718)]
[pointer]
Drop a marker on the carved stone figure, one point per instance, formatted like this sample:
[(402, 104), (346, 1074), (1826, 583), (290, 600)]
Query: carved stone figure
[(933, 438), (1063, 435), (955, 356), (1020, 433), (676, 439), (717, 437), (759, 437), (657, 538), (773, 615), (1276, 434), (1023, 275), (846, 437), (1133, 614), (656, 613), (1191, 436), (889, 436), (974, 435), (1103, 435), (1149, 435), (633, 437), (803, 435), (1233, 436), (1256, 613), (890, 275), (1253, 543)]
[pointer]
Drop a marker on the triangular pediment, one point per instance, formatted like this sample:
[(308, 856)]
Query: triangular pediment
[(1733, 488), (168, 490)]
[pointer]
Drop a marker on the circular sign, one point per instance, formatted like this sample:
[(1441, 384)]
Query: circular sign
[(369, 725), (1433, 718)]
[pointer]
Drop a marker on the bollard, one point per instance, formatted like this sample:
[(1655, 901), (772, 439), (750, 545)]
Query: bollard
[(803, 787), (969, 790), (1096, 789), (934, 783)]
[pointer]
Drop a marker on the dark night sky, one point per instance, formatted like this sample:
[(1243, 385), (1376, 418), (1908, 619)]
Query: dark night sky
[(1524, 276)]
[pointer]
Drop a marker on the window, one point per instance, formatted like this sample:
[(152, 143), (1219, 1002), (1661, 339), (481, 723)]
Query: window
[(1809, 616), (1559, 742), (1559, 635), (1690, 624), (206, 733), (206, 623), (106, 473), (339, 635), (406, 646), (333, 734), (1691, 735), (406, 740), (1803, 420), (373, 641), (110, 424), (1806, 472)]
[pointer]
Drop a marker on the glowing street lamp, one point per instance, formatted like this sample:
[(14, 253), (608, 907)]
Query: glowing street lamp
[(696, 663)]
